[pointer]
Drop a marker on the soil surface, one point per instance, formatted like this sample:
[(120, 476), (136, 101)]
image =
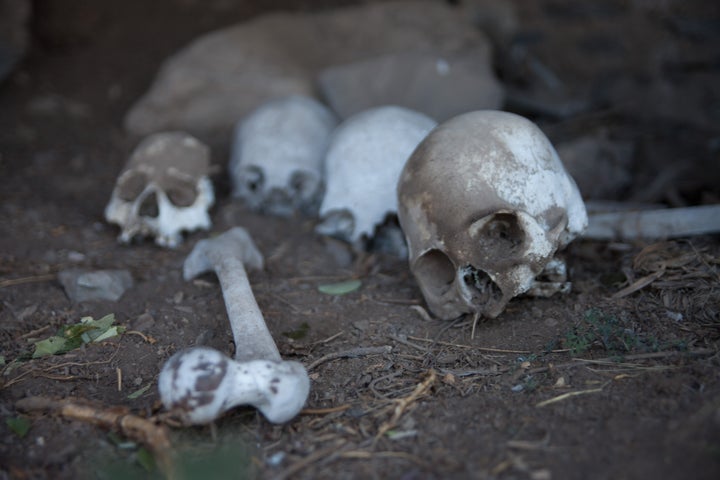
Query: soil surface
[(599, 383)]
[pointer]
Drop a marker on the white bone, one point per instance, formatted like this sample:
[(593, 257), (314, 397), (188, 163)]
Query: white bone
[(485, 203), (202, 383), (163, 166), (363, 164), (277, 155), (653, 224)]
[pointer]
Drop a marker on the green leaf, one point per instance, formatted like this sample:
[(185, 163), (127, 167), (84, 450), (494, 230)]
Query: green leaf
[(99, 328), (340, 288), (19, 425), (139, 392), (49, 346), (2, 360), (146, 459), (71, 337), (299, 332)]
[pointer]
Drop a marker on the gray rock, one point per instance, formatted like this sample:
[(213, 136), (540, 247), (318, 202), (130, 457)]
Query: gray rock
[(220, 77), (441, 86), (84, 285), (14, 37)]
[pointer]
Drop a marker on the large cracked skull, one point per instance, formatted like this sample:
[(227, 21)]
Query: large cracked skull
[(485, 204), (163, 189), (277, 155), (364, 160)]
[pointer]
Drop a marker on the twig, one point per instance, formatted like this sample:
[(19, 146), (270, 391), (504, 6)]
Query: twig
[(155, 437), (32, 333), (413, 302), (567, 395), (324, 411), (22, 280), (328, 339), (46, 371), (422, 312), (409, 344), (529, 445), (403, 403), (476, 319), (482, 349), (485, 372), (146, 338), (639, 284), (352, 353), (577, 362)]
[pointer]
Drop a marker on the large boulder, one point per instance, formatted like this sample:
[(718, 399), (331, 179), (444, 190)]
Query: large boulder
[(439, 85), (206, 87)]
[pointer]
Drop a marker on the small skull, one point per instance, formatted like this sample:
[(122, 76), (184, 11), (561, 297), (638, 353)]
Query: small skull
[(277, 155), (364, 160), (485, 204), (163, 190)]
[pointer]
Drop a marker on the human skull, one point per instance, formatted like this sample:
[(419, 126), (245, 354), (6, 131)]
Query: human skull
[(485, 204), (163, 189), (277, 155), (362, 167)]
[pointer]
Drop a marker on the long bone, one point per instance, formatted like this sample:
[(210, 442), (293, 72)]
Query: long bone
[(201, 383)]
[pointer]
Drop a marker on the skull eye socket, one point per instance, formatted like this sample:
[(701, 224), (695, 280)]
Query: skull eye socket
[(131, 185), (302, 184), (436, 270), (182, 195), (501, 233), (253, 180)]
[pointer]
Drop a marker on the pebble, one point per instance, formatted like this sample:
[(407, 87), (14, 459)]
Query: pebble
[(83, 285)]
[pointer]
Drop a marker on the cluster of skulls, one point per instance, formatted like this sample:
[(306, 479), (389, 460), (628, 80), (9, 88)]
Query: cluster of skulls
[(483, 200)]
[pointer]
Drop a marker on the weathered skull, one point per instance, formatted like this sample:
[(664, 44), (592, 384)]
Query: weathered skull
[(485, 203), (163, 189), (364, 160), (277, 155)]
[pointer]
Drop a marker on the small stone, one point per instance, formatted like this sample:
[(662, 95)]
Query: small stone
[(83, 285), (144, 322), (551, 322), (178, 297), (75, 257)]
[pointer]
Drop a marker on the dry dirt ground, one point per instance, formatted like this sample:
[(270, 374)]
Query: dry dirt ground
[(587, 385)]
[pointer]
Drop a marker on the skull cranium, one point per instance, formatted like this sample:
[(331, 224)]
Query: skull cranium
[(485, 204), (277, 155), (363, 164), (163, 189)]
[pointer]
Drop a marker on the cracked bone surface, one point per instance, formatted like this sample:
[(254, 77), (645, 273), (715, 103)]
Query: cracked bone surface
[(276, 164), (362, 167), (485, 204), (163, 190), (201, 383)]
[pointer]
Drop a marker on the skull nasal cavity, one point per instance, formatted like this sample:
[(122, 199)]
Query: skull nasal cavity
[(149, 206), (502, 233)]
